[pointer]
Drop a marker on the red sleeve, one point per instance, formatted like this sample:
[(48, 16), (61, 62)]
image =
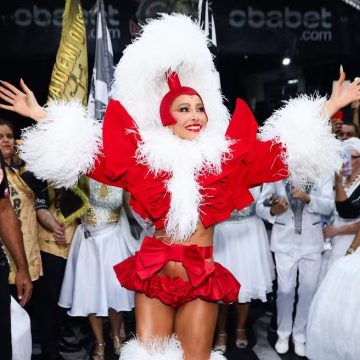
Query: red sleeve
[(265, 164), (120, 139), (262, 160), (243, 126)]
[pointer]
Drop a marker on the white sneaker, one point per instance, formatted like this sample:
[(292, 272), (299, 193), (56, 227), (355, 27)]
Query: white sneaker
[(299, 348), (282, 346)]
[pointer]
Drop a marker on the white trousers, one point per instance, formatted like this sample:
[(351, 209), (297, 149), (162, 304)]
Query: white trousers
[(287, 268)]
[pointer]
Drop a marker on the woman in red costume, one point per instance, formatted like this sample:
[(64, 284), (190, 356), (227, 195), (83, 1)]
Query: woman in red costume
[(186, 167)]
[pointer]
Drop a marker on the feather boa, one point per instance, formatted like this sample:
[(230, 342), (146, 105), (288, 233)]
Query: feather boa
[(185, 161), (302, 127), (54, 150)]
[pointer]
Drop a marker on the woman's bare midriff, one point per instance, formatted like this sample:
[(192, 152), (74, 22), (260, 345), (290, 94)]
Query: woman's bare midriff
[(201, 237)]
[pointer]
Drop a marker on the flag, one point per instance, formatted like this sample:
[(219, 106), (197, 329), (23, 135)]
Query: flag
[(207, 24), (354, 3), (206, 20), (103, 72), (69, 78), (103, 67)]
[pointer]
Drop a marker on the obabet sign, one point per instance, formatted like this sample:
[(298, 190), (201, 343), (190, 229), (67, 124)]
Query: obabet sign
[(284, 26), (285, 18)]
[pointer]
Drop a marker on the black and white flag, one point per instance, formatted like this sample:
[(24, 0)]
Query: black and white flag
[(354, 3), (103, 67), (206, 19), (207, 24)]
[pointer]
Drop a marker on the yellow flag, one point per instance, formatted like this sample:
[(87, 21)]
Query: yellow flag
[(69, 80), (69, 77)]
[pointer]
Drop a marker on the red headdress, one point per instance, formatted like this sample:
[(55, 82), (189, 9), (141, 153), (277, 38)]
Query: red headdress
[(175, 90)]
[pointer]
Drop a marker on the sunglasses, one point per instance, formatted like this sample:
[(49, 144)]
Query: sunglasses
[(355, 156)]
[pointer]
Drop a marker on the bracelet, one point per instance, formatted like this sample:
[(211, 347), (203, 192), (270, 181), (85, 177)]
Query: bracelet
[(350, 251)]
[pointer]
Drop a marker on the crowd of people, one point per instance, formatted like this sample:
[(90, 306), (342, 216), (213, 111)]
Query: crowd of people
[(166, 154)]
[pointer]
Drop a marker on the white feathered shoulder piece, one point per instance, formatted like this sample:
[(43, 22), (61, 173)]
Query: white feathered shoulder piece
[(64, 147), (302, 127)]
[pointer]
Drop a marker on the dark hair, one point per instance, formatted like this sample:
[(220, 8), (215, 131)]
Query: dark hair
[(9, 124)]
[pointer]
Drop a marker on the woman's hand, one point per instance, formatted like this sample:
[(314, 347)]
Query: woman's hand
[(299, 194), (343, 94), (339, 177), (21, 102), (278, 205), (330, 231)]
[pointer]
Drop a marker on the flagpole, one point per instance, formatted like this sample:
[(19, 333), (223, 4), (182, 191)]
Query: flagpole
[(207, 24)]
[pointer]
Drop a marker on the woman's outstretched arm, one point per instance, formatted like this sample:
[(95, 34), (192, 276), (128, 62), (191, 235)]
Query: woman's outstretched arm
[(21, 102), (301, 127), (342, 94), (65, 142)]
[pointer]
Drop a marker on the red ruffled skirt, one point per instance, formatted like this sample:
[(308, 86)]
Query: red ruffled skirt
[(209, 282)]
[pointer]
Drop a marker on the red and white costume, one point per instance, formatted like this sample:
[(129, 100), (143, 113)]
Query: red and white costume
[(176, 183), (252, 162)]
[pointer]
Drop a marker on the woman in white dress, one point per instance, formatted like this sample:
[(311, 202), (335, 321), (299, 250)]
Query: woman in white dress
[(345, 226), (90, 287), (333, 329), (242, 245), (333, 326)]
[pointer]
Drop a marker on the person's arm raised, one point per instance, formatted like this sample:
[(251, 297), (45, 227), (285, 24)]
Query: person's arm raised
[(301, 126), (342, 94), (62, 147), (21, 102)]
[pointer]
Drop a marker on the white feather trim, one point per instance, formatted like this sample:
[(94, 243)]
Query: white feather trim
[(185, 160), (176, 43), (302, 127), (154, 349), (63, 147), (217, 356)]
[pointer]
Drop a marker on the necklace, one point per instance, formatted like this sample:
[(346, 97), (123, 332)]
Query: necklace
[(348, 186)]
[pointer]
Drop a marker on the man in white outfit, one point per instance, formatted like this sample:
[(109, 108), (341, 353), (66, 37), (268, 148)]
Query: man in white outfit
[(297, 242)]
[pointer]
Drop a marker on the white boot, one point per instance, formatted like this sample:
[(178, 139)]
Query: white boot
[(155, 349), (215, 355)]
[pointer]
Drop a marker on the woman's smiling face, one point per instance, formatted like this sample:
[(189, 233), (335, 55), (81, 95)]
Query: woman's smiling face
[(190, 116)]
